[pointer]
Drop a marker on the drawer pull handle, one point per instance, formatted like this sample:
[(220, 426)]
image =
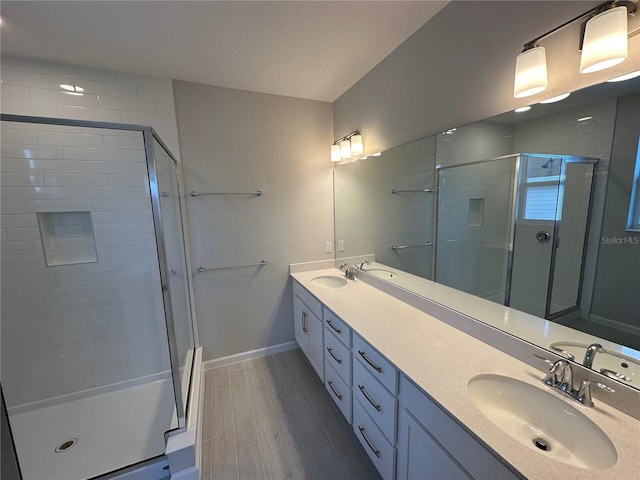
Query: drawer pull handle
[(375, 451), (334, 355), (334, 390), (369, 399), (337, 330), (304, 322), (366, 359)]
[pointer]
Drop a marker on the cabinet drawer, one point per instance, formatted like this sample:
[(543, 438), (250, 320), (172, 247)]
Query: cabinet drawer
[(474, 456), (337, 355), (376, 400), (338, 390), (375, 363), (337, 327), (380, 451), (310, 301)]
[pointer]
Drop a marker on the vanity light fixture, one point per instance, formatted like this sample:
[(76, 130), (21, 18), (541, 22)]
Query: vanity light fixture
[(555, 99), (603, 43), (347, 146), (605, 40), (531, 72), (523, 109), (335, 153)]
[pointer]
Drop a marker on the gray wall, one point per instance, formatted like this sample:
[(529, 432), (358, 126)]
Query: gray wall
[(369, 218), (616, 290), (234, 140), (459, 68)]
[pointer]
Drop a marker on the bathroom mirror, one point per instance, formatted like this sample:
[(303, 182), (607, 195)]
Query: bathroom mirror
[(528, 210)]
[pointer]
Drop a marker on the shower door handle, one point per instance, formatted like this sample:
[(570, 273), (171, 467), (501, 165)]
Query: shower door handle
[(543, 237)]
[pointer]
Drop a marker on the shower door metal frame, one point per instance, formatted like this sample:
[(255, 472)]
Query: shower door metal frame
[(149, 135)]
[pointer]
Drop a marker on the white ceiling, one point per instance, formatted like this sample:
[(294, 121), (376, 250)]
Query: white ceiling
[(307, 49)]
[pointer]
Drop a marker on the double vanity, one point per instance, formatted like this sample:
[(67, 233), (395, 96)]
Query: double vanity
[(428, 401)]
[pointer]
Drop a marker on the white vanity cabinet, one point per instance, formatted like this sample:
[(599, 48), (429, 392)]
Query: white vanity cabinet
[(405, 433), (374, 387), (433, 446), (337, 358), (307, 312)]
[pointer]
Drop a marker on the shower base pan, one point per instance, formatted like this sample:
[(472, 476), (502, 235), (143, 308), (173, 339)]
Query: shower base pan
[(94, 435)]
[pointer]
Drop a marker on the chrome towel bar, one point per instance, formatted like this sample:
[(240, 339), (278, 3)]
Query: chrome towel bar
[(207, 269), (427, 190), (400, 247), (197, 194)]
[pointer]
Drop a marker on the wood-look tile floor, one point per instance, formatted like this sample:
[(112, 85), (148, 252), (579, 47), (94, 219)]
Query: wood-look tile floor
[(271, 418)]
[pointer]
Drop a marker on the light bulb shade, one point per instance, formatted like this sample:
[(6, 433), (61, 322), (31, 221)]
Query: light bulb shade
[(605, 41), (335, 153), (356, 145), (345, 149), (531, 73)]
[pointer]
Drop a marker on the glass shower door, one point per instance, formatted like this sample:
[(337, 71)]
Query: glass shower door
[(170, 191), (538, 205), (570, 243), (551, 225), (474, 227)]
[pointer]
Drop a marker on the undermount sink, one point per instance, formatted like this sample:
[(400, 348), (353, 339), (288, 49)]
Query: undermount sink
[(329, 281), (381, 273), (542, 422)]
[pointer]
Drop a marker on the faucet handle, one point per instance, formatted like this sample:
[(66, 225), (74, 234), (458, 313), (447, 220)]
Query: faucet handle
[(559, 374), (615, 375), (584, 394), (544, 359)]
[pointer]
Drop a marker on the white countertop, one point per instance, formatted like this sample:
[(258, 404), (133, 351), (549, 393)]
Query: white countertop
[(518, 323), (441, 360)]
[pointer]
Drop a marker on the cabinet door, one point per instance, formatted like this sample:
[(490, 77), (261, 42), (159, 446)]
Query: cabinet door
[(419, 457), (315, 332), (300, 318)]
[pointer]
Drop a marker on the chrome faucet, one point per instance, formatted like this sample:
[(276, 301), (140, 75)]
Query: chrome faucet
[(348, 270), (366, 262), (590, 354), (560, 377)]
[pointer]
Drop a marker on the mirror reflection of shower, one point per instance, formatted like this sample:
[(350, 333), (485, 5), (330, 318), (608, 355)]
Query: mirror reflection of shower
[(532, 262)]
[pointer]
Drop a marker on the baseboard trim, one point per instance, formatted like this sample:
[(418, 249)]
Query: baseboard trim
[(239, 357), (614, 324)]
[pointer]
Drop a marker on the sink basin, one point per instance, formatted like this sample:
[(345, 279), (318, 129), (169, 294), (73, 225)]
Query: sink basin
[(542, 422), (628, 367), (329, 281), (381, 273)]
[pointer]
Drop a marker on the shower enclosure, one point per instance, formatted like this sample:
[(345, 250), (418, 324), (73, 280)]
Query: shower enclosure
[(97, 333), (532, 262)]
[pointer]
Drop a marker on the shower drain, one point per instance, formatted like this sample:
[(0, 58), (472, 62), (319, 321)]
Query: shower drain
[(541, 444), (66, 445)]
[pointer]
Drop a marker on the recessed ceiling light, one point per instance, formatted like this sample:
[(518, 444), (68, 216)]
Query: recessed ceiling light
[(523, 109), (584, 119), (377, 154), (628, 76), (72, 89), (556, 99)]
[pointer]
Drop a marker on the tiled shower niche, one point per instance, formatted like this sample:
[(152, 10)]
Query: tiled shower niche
[(67, 238)]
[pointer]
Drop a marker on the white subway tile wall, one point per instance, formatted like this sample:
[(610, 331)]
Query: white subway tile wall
[(32, 87), (71, 328)]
